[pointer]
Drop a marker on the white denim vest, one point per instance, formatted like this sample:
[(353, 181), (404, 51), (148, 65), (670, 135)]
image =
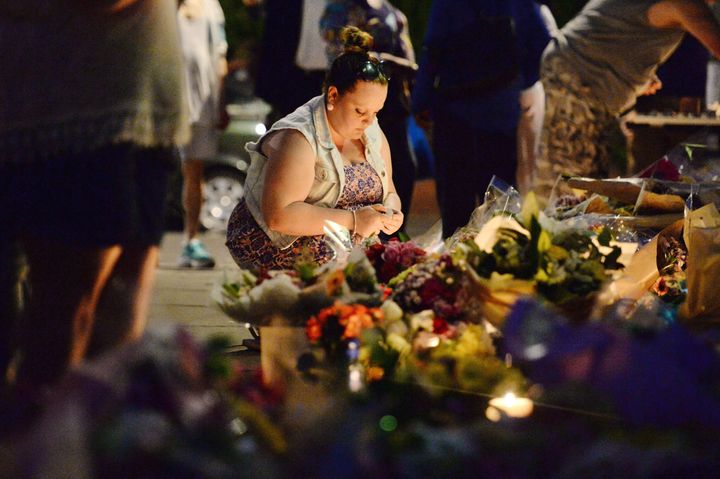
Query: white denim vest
[(311, 120)]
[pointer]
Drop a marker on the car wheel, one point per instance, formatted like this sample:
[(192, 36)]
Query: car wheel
[(223, 190)]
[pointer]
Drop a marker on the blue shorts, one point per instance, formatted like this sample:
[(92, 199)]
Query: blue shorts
[(109, 196)]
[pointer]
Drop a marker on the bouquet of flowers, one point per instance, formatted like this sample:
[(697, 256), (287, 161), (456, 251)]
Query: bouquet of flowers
[(565, 267), (256, 299), (294, 295), (463, 359), (156, 408), (671, 286), (391, 258), (434, 284), (334, 328)]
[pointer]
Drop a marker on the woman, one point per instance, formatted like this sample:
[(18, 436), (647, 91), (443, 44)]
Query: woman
[(328, 160), (391, 41)]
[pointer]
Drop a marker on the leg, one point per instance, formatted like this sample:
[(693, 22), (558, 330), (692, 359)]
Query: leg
[(192, 195), (495, 154), (574, 139), (532, 104), (123, 305), (453, 148), (66, 283), (194, 253)]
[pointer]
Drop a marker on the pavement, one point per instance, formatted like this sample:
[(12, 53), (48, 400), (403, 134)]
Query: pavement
[(183, 295)]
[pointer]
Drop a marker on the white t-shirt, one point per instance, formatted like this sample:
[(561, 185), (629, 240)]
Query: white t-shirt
[(310, 54), (202, 36)]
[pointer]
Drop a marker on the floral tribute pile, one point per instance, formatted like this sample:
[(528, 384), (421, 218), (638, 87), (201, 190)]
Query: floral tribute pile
[(478, 359), (396, 312)]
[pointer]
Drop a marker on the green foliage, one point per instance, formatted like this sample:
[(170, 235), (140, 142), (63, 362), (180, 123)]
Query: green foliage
[(417, 13), (566, 266), (243, 27)]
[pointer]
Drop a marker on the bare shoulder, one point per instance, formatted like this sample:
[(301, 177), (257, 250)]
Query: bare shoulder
[(282, 142)]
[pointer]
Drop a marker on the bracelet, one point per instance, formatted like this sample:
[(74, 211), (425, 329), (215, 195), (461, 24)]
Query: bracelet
[(354, 222)]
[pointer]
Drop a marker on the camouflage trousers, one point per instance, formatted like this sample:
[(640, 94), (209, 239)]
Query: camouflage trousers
[(577, 131)]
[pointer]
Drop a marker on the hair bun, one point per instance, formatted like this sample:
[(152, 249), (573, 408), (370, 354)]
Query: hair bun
[(355, 40)]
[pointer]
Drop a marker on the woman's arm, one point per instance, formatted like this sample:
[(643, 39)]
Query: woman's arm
[(693, 16), (289, 176)]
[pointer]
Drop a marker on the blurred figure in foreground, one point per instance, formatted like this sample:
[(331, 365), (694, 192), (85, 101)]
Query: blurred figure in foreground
[(88, 128), (202, 36)]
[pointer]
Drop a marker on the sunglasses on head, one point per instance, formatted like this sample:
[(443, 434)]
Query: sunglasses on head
[(371, 70)]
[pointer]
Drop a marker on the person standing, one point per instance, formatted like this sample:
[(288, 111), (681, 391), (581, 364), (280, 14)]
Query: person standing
[(391, 42), (88, 131), (595, 69), (532, 112), (202, 36), (474, 125), (291, 63)]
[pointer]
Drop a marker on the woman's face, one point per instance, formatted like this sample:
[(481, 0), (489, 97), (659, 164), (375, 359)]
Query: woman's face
[(355, 110)]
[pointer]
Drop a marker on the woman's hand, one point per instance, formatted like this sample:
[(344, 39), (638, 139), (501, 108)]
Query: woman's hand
[(393, 218), (370, 220)]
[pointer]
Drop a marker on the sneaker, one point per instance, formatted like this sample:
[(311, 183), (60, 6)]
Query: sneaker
[(195, 255)]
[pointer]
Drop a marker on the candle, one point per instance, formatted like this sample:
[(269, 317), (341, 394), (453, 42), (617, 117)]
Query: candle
[(512, 405)]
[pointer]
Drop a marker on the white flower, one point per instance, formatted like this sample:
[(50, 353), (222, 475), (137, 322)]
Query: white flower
[(391, 311), (399, 344), (396, 327), (422, 320), (488, 235), (278, 293)]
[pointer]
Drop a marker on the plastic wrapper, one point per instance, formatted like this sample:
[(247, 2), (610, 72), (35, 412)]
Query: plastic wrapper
[(500, 199), (639, 203), (694, 160), (339, 240), (702, 237), (431, 240)]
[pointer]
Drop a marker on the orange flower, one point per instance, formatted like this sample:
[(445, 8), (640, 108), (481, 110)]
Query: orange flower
[(374, 373), (352, 317), (334, 282), (313, 329)]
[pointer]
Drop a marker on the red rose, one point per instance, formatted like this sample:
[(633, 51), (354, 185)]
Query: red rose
[(440, 326), (431, 290)]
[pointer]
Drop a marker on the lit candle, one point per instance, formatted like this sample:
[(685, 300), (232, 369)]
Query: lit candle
[(355, 379), (512, 405)]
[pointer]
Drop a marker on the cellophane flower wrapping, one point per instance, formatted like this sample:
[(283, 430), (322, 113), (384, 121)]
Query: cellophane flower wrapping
[(702, 237)]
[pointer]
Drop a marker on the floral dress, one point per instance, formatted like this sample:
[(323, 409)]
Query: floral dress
[(250, 247)]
